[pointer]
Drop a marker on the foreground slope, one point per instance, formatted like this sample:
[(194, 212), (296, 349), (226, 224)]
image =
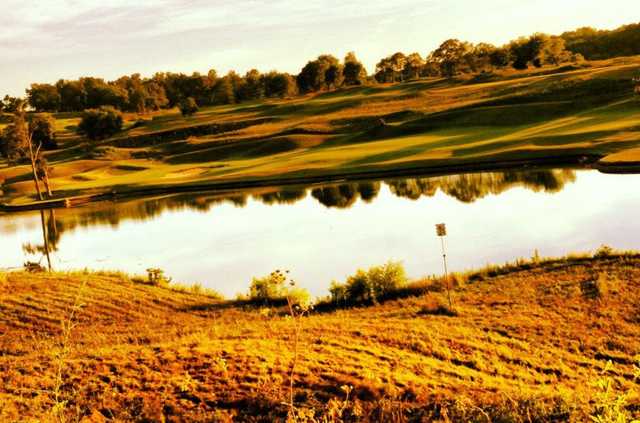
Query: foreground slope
[(524, 346), (567, 113)]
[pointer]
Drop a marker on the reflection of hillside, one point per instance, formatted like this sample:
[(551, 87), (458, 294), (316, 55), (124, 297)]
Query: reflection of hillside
[(283, 196), (466, 188), (470, 187), (345, 195), (113, 214)]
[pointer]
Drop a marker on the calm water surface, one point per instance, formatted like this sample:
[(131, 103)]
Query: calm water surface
[(322, 233)]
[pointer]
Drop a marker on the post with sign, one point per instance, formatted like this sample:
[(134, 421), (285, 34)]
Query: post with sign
[(441, 231)]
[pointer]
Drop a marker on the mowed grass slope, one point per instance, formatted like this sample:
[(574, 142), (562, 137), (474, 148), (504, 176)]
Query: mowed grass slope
[(528, 345), (557, 113)]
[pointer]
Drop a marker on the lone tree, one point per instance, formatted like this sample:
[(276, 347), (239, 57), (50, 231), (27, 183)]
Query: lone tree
[(188, 106), (100, 123), (22, 140)]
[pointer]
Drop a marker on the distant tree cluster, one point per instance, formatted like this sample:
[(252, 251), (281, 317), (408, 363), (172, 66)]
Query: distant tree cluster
[(326, 73), (453, 57), (596, 44), (136, 94)]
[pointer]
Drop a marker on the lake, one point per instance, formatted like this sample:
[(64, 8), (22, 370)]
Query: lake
[(324, 233)]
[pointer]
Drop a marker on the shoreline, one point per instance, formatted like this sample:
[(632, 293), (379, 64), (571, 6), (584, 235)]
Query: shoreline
[(586, 161)]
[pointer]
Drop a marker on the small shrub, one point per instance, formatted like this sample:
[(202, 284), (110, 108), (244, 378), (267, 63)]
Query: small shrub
[(603, 252), (188, 106), (437, 310), (278, 287), (338, 292), (371, 285), (156, 277), (299, 297), (97, 124), (271, 287), (197, 289)]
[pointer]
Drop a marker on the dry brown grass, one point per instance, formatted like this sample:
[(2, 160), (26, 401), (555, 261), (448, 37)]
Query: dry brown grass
[(523, 346)]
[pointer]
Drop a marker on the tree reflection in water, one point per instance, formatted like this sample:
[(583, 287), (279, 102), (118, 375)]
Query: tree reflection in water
[(473, 186), (50, 239), (464, 187)]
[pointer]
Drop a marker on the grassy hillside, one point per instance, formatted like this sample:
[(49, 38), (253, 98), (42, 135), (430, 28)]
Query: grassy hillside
[(559, 113), (531, 344)]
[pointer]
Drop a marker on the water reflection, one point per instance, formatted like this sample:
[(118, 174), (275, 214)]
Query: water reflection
[(466, 188), (283, 196), (471, 187), (50, 239), (223, 239)]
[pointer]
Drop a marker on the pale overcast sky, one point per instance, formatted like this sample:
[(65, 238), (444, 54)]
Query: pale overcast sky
[(43, 41)]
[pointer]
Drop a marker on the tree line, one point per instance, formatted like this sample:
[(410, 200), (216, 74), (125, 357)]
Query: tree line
[(453, 57), (596, 44)]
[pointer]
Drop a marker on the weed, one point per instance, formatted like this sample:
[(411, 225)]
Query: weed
[(156, 277), (610, 404), (298, 305), (61, 354), (603, 251)]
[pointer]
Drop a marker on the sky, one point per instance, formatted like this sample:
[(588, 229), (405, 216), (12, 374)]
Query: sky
[(45, 40)]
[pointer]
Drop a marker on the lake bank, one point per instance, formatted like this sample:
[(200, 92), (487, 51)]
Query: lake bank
[(60, 200)]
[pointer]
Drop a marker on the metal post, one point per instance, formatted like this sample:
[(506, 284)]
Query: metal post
[(441, 231), (446, 273)]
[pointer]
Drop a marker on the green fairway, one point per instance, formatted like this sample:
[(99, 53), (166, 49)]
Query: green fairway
[(425, 124)]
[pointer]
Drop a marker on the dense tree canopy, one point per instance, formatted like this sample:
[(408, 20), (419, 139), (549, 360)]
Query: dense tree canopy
[(42, 127), (11, 104), (100, 123), (353, 71), (596, 44), (391, 69), (323, 73), (13, 141), (538, 50), (44, 97), (452, 57)]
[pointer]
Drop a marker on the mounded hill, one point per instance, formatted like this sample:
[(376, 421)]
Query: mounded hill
[(555, 341)]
